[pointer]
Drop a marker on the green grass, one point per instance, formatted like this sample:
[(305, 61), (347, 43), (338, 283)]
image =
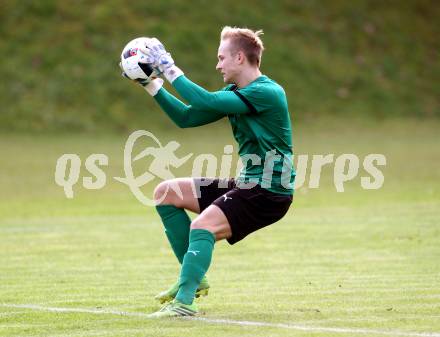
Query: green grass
[(358, 260)]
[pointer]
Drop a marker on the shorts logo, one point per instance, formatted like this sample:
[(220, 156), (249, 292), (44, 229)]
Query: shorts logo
[(226, 198)]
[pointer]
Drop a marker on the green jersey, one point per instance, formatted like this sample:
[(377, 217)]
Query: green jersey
[(265, 132), (260, 122)]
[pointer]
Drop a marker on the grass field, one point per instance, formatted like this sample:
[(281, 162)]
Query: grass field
[(339, 264)]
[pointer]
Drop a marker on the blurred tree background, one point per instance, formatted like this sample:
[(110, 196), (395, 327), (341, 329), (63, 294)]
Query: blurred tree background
[(368, 59)]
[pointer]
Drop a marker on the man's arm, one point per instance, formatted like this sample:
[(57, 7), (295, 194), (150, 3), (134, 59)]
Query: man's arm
[(184, 116), (223, 102)]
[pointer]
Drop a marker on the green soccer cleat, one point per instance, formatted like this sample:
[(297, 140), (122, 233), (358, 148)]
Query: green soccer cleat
[(175, 309), (170, 294)]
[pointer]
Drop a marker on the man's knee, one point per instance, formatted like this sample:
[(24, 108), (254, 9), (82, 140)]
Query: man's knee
[(177, 192), (161, 195)]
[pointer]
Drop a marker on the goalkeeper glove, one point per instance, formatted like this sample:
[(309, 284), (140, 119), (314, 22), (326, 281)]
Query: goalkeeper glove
[(152, 86), (160, 59)]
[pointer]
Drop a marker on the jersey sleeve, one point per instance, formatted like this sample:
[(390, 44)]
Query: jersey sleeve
[(184, 116), (223, 102)]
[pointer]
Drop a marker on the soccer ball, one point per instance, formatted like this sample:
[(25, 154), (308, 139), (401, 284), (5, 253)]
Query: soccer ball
[(133, 61)]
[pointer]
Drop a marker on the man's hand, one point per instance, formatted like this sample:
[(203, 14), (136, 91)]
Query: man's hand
[(152, 86), (160, 59), (157, 55)]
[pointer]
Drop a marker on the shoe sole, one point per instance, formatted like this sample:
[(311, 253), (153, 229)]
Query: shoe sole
[(174, 314)]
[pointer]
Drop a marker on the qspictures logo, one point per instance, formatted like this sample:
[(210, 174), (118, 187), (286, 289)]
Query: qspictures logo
[(164, 160)]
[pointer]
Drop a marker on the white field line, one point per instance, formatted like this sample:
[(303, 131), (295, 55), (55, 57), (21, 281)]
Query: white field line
[(231, 322)]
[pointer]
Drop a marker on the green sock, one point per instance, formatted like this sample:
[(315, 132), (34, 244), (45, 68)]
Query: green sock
[(177, 224), (195, 264)]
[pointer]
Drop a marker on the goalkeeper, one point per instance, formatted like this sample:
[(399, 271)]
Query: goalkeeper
[(229, 209)]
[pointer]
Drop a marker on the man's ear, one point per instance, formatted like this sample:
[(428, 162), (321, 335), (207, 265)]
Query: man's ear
[(240, 57)]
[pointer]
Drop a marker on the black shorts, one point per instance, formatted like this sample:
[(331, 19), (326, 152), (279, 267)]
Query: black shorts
[(247, 210)]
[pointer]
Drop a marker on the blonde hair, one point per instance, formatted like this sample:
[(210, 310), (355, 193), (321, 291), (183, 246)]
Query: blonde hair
[(246, 40)]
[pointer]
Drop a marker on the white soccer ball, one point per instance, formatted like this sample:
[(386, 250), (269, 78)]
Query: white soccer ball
[(134, 62)]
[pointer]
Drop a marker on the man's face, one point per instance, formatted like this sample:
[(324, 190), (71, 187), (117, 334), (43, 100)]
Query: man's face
[(228, 64)]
